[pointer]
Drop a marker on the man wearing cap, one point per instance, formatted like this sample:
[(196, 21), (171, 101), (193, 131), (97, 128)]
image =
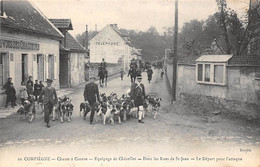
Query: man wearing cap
[(138, 95), (50, 98), (91, 94)]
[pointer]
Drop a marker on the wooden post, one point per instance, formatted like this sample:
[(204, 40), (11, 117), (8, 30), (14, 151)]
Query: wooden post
[(175, 54)]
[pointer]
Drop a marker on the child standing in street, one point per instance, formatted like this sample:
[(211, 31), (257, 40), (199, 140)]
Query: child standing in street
[(37, 89), (122, 72), (23, 93)]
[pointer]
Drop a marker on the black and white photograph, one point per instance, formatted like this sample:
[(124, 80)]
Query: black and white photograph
[(147, 83)]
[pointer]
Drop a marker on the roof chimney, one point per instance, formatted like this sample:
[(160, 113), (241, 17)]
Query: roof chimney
[(86, 38), (95, 28), (114, 26), (2, 8)]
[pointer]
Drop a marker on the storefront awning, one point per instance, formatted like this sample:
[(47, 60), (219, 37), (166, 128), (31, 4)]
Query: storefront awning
[(214, 58)]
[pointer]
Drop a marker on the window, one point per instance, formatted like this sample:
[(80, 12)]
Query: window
[(257, 73), (200, 72), (211, 73), (1, 70), (4, 68), (51, 67)]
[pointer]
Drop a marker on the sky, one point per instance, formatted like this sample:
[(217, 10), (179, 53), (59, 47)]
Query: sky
[(129, 14)]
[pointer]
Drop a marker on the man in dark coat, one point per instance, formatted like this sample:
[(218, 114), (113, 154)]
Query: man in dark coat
[(50, 98), (138, 95), (11, 95), (8, 90), (149, 74), (91, 94), (29, 85)]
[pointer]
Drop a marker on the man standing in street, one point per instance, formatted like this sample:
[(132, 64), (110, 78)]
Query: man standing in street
[(91, 94), (49, 100), (149, 74), (138, 95)]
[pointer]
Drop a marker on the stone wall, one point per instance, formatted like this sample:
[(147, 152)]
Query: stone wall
[(77, 68), (241, 95), (209, 105)]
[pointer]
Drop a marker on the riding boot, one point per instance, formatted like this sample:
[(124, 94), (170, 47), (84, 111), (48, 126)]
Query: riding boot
[(6, 104)]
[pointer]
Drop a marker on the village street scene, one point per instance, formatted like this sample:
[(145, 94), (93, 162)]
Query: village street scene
[(82, 88)]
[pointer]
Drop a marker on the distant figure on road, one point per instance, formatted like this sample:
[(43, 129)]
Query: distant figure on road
[(122, 72), (149, 74), (162, 73), (91, 94), (138, 95), (50, 98)]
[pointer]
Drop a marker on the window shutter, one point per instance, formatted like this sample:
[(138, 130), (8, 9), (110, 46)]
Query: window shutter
[(34, 67), (46, 67), (55, 66), (9, 66)]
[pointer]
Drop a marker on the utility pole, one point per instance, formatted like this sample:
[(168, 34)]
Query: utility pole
[(175, 54)]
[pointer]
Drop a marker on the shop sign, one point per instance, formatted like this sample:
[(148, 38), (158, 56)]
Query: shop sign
[(107, 43), (11, 44)]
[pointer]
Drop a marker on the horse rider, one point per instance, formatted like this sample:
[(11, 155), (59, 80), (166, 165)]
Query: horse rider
[(103, 64), (132, 72)]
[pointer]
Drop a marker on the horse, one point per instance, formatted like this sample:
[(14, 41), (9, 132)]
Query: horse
[(133, 73), (103, 74)]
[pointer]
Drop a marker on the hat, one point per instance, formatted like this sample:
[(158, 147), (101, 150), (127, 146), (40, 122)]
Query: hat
[(92, 76), (48, 80), (139, 76)]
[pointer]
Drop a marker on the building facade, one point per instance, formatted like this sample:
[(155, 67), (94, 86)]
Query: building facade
[(72, 56), (111, 45), (29, 46)]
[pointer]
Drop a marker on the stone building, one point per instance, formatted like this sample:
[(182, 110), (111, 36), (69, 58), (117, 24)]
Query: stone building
[(29, 45), (111, 45), (72, 56)]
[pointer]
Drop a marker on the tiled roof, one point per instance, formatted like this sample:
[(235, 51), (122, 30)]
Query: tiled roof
[(121, 35), (62, 23), (235, 60), (245, 60), (72, 44), (23, 15), (214, 58)]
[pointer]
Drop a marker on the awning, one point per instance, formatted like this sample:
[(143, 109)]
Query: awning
[(214, 58)]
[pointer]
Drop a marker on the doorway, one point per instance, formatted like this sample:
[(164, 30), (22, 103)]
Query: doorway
[(24, 67)]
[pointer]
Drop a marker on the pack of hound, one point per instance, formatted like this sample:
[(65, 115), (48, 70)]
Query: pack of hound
[(113, 109), (62, 110)]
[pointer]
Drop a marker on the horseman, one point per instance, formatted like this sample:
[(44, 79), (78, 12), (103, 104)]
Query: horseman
[(102, 72), (103, 64), (132, 72)]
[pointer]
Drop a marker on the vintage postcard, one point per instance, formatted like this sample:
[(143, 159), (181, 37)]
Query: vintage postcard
[(130, 83)]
